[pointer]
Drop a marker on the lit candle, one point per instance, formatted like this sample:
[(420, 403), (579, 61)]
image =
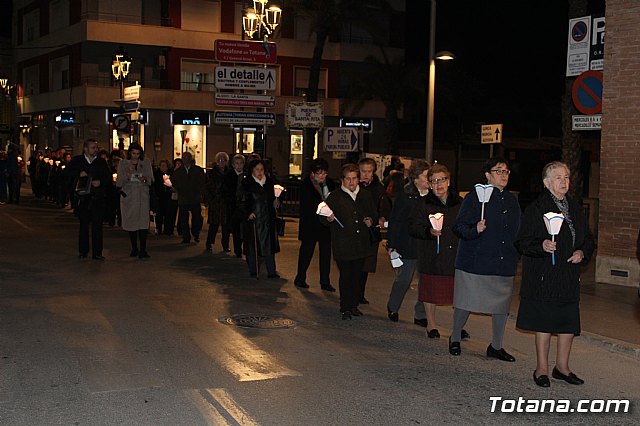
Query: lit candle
[(115, 177)]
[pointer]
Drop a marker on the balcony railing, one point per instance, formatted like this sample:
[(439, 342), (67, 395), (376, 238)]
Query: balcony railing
[(124, 18)]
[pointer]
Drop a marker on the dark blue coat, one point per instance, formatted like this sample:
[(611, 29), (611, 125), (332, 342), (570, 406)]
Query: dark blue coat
[(398, 236), (491, 252)]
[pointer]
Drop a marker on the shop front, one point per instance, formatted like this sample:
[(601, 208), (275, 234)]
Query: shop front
[(190, 134), (295, 151), (126, 127)]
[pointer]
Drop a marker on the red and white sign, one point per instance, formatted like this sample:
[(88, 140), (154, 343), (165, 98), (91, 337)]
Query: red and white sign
[(253, 52), (242, 100)]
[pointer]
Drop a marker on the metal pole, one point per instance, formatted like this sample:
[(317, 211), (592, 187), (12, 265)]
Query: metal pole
[(432, 83)]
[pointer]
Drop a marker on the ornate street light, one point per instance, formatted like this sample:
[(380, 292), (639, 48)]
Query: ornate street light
[(3, 81), (120, 68), (260, 22)]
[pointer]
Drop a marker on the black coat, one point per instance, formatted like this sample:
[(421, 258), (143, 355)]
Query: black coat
[(232, 193), (190, 186), (310, 227), (491, 252), (259, 200), (353, 241), (214, 196), (398, 233), (376, 189), (542, 281), (429, 261), (98, 170)]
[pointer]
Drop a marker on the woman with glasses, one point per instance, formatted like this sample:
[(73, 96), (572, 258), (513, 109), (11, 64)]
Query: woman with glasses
[(487, 260), (550, 291), (216, 202), (436, 248)]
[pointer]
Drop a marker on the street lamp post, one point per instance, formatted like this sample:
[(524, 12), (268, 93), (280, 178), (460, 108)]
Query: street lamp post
[(444, 55), (120, 68), (259, 23)]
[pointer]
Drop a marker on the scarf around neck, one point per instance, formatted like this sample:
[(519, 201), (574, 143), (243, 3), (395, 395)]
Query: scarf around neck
[(260, 181), (352, 194)]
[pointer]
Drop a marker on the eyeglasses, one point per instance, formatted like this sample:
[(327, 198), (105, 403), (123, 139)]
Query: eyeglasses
[(501, 172), (439, 180), (222, 161)]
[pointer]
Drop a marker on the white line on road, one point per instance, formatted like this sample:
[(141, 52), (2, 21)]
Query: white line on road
[(18, 222), (218, 408)]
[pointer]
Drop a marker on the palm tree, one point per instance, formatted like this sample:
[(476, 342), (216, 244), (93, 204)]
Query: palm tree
[(389, 81), (326, 17)]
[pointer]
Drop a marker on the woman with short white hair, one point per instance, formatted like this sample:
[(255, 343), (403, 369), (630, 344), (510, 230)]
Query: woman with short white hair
[(550, 290)]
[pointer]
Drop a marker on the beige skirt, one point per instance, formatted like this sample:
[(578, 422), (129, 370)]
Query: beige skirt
[(488, 294)]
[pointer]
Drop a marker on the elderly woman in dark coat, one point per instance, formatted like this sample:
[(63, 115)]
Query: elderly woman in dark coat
[(550, 293), (487, 260), (258, 208), (351, 244), (436, 263)]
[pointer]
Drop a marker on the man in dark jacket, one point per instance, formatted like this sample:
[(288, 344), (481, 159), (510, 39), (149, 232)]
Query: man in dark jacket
[(313, 190), (91, 206), (189, 181), (232, 190), (370, 182)]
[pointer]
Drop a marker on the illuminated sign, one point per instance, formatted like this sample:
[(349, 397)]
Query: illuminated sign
[(365, 123), (198, 118), (66, 117)]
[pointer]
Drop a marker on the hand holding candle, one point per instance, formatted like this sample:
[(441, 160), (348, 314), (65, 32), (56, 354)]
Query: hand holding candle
[(278, 189), (553, 221), (325, 210), (436, 223), (484, 194)]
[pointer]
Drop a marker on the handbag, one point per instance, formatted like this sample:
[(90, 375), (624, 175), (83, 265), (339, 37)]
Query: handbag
[(280, 222), (83, 185)]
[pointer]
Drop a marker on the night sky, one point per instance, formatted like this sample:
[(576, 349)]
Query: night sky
[(510, 65)]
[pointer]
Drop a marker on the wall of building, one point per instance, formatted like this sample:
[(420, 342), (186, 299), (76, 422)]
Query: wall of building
[(620, 148)]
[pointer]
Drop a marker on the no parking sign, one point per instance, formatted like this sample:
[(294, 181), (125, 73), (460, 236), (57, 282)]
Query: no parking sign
[(587, 92)]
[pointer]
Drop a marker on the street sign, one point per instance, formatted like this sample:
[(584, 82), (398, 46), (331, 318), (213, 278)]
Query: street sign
[(340, 139), (242, 118), (587, 92), (251, 78), (586, 122), (131, 106), (301, 115), (240, 99), (132, 93), (491, 133), (254, 52), (365, 123), (585, 48)]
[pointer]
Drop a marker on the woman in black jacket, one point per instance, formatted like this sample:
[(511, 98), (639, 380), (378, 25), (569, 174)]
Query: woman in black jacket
[(436, 261), (550, 291), (258, 207)]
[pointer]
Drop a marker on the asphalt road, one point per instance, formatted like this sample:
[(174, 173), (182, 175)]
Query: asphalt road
[(130, 342)]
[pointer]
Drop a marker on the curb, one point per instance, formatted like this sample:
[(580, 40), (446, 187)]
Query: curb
[(611, 344)]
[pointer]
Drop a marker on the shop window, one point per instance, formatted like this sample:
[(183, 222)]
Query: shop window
[(295, 152), (247, 138)]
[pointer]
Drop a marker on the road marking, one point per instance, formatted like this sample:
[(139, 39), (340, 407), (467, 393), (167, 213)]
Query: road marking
[(209, 412), (232, 407), (241, 357), (18, 222), (219, 408)]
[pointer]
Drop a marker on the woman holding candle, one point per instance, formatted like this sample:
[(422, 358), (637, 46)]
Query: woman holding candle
[(436, 248), (135, 176), (486, 261), (550, 293)]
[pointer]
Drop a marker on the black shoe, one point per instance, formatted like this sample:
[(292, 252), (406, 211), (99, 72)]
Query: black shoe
[(393, 316), (356, 312), (226, 250), (346, 315), (363, 301), (273, 276), (422, 322), (542, 381), (207, 247), (82, 256), (98, 257), (501, 354), (433, 334), (464, 335), (301, 285), (454, 348), (569, 378), (328, 288), (197, 240), (134, 253), (143, 255)]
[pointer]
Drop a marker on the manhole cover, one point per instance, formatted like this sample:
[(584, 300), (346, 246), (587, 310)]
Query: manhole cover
[(259, 321)]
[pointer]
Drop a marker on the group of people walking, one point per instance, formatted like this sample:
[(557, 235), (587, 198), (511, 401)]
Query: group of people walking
[(11, 175), (465, 251)]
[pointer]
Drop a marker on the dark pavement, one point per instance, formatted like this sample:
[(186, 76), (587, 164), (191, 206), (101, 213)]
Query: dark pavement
[(141, 342)]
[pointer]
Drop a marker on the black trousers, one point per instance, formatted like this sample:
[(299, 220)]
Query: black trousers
[(350, 290), (211, 235), (14, 182), (196, 221), (170, 218), (236, 230), (90, 212), (305, 254)]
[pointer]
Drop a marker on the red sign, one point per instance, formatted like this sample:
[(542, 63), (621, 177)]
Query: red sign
[(587, 92), (253, 52)]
